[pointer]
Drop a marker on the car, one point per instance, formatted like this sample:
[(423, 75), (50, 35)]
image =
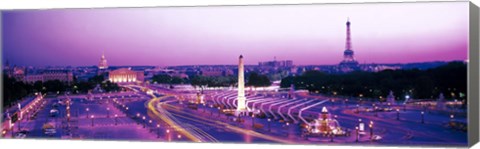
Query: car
[(21, 135), (376, 138), (50, 131)]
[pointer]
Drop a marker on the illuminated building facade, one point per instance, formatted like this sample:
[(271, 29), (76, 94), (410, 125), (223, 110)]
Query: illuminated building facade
[(125, 75)]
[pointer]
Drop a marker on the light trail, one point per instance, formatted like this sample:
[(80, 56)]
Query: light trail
[(169, 121), (279, 109), (217, 123), (308, 107), (293, 107)]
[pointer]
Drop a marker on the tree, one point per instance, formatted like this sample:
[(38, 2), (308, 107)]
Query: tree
[(257, 80)]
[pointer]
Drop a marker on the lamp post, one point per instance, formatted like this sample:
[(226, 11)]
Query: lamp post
[(331, 136), (375, 110), (88, 113), (398, 114), (150, 124), (358, 106), (91, 117), (138, 117), (451, 118), (346, 103), (423, 119), (356, 134), (269, 120), (143, 121), (116, 116), (12, 127), (253, 120), (108, 112), (371, 129), (168, 135), (218, 111), (158, 130)]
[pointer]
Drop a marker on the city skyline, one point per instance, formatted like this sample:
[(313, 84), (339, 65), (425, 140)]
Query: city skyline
[(181, 36)]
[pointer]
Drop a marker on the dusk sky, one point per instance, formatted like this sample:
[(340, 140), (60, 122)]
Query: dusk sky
[(306, 34)]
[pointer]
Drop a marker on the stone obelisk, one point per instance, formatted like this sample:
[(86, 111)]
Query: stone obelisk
[(241, 108)]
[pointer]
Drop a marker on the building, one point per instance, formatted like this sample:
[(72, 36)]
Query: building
[(125, 75), (276, 64), (348, 63), (49, 75), (103, 63)]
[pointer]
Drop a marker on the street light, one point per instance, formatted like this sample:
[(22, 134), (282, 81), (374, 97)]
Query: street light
[(371, 129), (358, 106), (218, 111), (253, 120), (108, 112), (116, 116), (269, 120), (88, 113), (91, 117), (356, 134), (346, 102), (158, 130), (138, 117), (451, 118), (168, 135), (398, 114), (143, 121), (150, 123), (423, 119)]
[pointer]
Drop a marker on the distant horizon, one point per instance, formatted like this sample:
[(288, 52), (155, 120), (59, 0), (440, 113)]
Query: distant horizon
[(178, 36), (230, 64)]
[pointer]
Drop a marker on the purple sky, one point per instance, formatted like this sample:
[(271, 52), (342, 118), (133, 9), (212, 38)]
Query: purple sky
[(306, 34)]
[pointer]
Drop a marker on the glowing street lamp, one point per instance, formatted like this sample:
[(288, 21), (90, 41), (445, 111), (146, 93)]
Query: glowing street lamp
[(108, 112), (168, 135), (88, 113), (371, 129), (451, 118), (423, 119), (356, 134), (346, 103), (269, 120), (253, 120), (179, 136), (358, 106), (91, 117), (158, 130), (116, 116), (218, 111), (138, 117), (398, 114), (150, 123), (143, 121)]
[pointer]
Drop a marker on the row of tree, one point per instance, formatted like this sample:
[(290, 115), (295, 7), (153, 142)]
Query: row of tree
[(253, 79), (449, 79), (15, 90)]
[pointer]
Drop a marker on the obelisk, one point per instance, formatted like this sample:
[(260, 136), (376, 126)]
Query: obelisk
[(241, 108)]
